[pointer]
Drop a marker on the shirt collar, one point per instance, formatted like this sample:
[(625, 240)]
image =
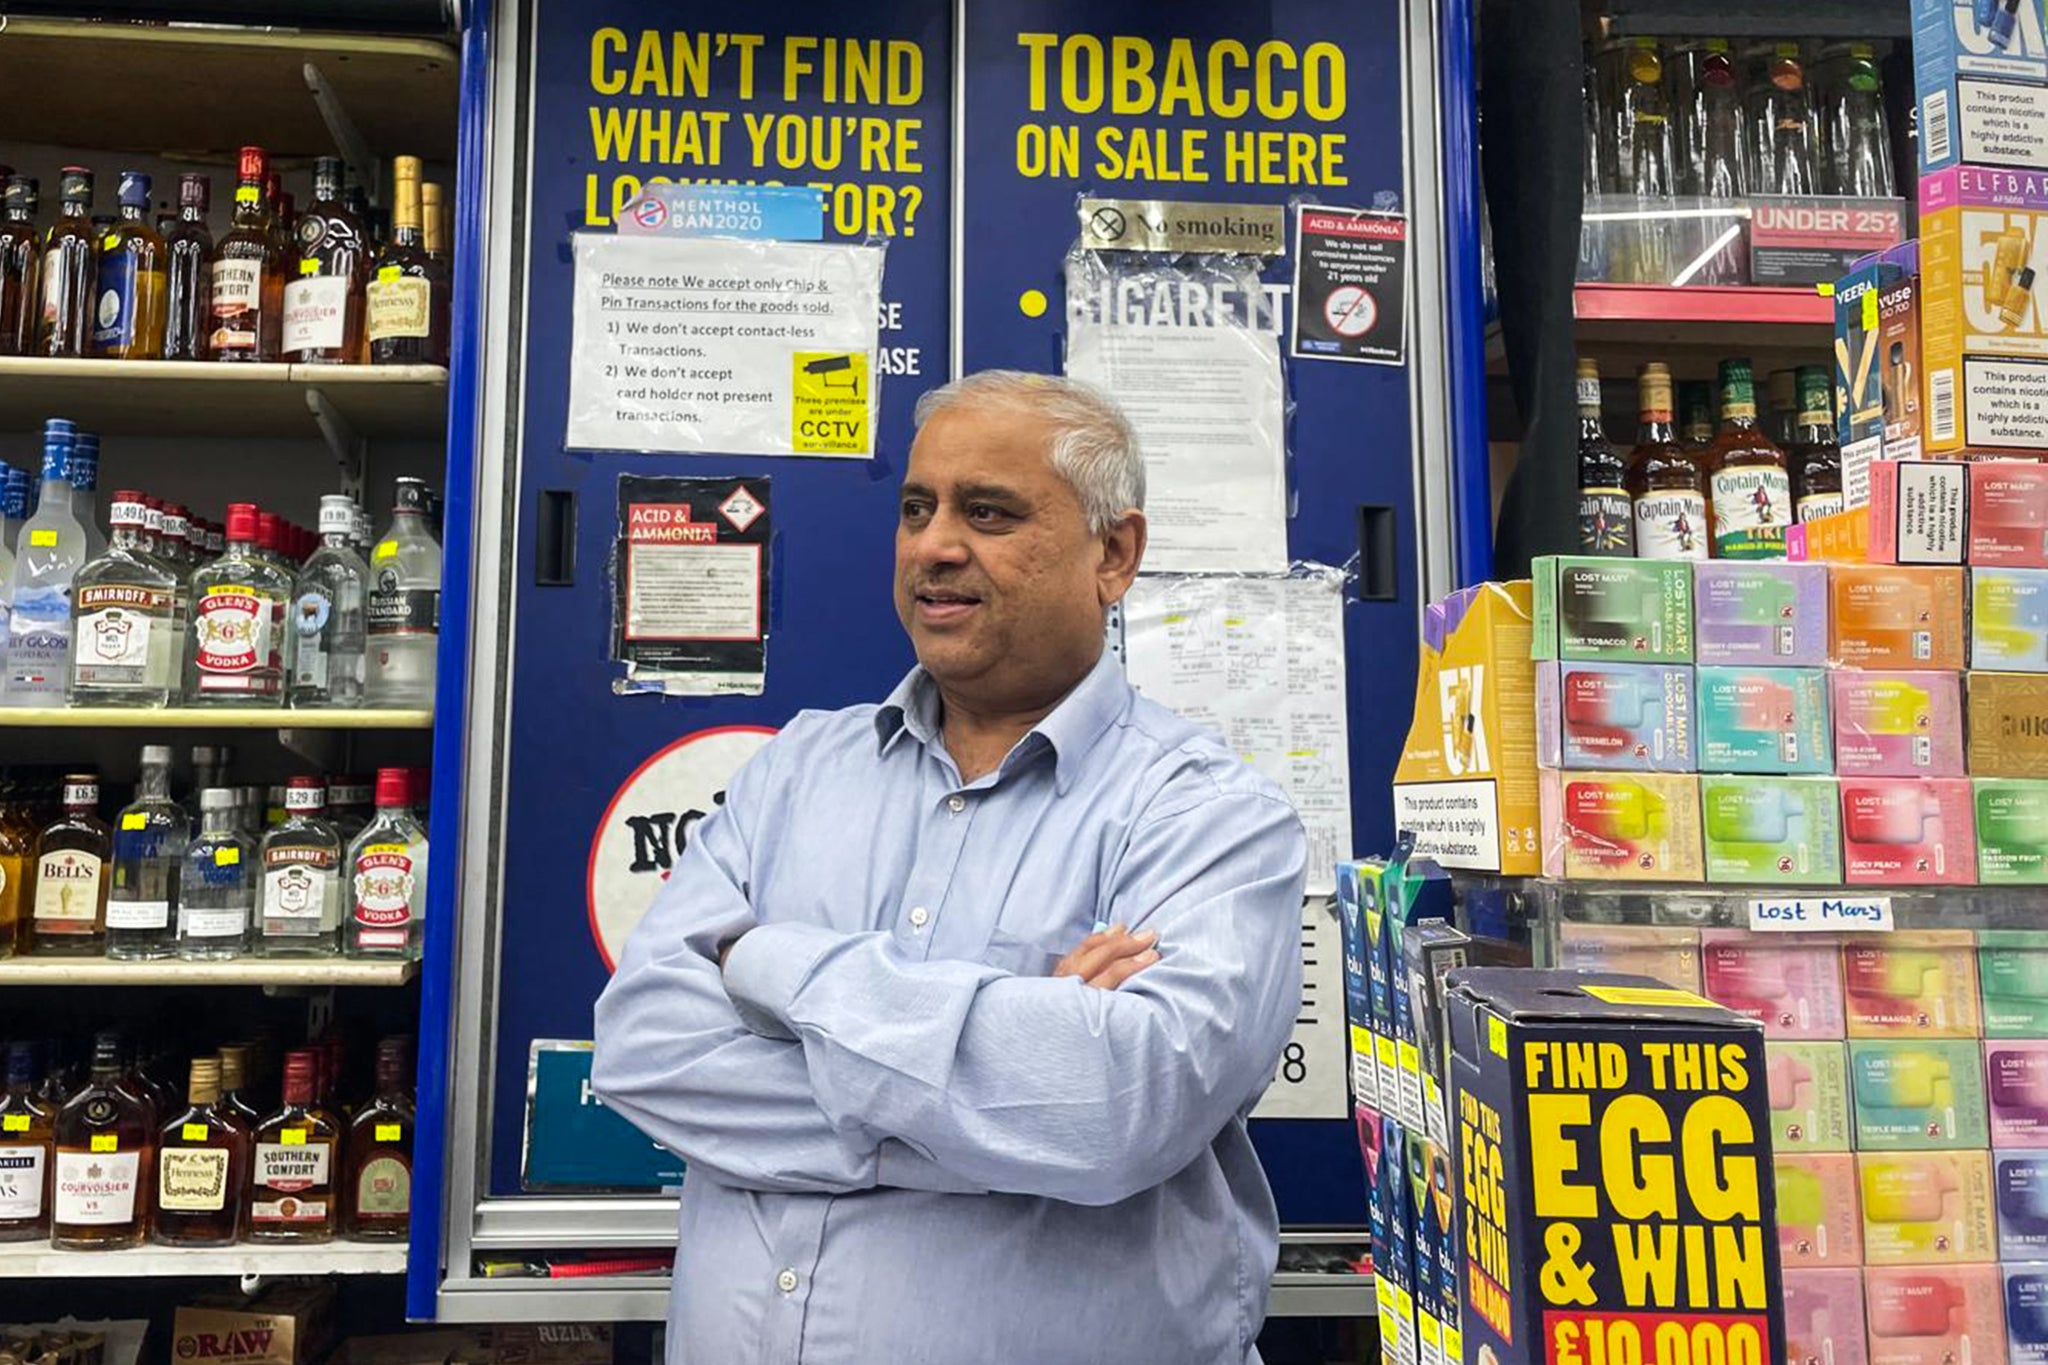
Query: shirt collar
[(1070, 730)]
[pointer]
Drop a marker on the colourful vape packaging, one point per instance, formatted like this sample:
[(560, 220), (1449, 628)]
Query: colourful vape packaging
[(2016, 1075), (1818, 1223), (1773, 831), (1926, 1208), (1919, 983), (1809, 1085), (1358, 882), (1792, 986), (1918, 1094), (1761, 613), (2012, 831), (1614, 717), (2008, 514), (1666, 953), (2026, 1313), (1394, 1275), (1763, 720), (1896, 616), (1897, 724), (1983, 325), (1916, 511), (2019, 1183), (1934, 1315), (1908, 831), (1824, 1316), (1621, 826), (1978, 69), (2009, 619), (2008, 724), (2012, 971), (1619, 610)]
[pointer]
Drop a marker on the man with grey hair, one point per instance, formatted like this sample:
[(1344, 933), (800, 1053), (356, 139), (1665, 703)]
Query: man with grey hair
[(958, 1004)]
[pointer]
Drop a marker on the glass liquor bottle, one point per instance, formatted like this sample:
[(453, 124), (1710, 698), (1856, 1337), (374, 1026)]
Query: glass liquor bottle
[(27, 1139), (400, 294), (247, 301), (1723, 171), (1668, 487), (404, 608), (1779, 116), (1651, 179), (328, 603), (21, 267), (128, 309), (302, 882), (1857, 142), (124, 619), (190, 280), (1746, 476), (388, 876), (351, 801), (1606, 517), (434, 237), (234, 1085), (1816, 459), (52, 549), (202, 1167), (71, 875), (377, 1185), (323, 298), (216, 894), (150, 839), (1696, 418), (238, 602), (18, 835), (70, 269), (82, 472), (14, 505), (105, 1160), (291, 1180)]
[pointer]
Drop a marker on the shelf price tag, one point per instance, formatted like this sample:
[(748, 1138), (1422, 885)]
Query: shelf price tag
[(193, 1132), (292, 1137), (390, 1132), (134, 819), (106, 1142), (13, 1123), (1820, 914)]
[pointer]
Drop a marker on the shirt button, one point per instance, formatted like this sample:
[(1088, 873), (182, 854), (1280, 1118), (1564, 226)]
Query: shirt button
[(786, 1281), (956, 804), (918, 916)]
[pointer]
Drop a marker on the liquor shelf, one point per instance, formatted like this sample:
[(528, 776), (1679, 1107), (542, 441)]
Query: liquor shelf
[(1744, 307), (210, 718), (37, 1261), (248, 971), (199, 92), (209, 398), (1691, 328)]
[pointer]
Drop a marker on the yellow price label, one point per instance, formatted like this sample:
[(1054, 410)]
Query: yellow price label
[(387, 549), (1870, 311), (390, 1132), (1649, 996), (134, 819), (387, 273), (248, 194), (292, 1137), (13, 1123), (308, 266), (193, 1132), (226, 857), (43, 539), (109, 242), (106, 1142), (1497, 1035)]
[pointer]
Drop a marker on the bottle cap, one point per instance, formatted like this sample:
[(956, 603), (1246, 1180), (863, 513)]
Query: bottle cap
[(266, 530), (305, 794), (234, 1067), (81, 791), (128, 509), (409, 495), (241, 522), (74, 186), (337, 514), (218, 798), (2025, 279), (21, 193), (194, 192), (393, 788), (253, 165), (205, 1081), (134, 190), (21, 1063), (301, 1074)]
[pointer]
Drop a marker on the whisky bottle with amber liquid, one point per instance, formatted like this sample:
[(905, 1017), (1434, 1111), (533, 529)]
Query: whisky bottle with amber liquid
[(1663, 480), (1747, 481), (323, 292), (378, 1185), (105, 1160), (400, 295), (247, 274), (202, 1166), (28, 1131), (291, 1178)]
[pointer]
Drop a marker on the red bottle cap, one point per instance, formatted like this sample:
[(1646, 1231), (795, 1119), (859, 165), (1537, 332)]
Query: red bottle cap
[(266, 530), (301, 1075), (253, 165), (241, 522), (392, 788)]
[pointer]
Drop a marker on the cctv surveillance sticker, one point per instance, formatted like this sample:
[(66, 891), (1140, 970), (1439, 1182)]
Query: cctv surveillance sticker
[(829, 403)]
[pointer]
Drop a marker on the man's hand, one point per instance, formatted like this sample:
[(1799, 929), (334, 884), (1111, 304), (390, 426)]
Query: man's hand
[(1110, 958)]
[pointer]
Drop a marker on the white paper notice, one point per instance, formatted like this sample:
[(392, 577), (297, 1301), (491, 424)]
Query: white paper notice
[(707, 344), (1209, 406), (1261, 662), (1311, 1082)]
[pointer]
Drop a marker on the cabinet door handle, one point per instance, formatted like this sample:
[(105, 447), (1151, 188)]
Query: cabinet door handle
[(554, 551)]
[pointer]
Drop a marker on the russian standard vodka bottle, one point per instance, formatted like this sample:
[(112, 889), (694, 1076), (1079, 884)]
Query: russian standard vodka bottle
[(124, 619), (302, 881), (327, 614), (50, 553), (150, 839), (405, 604), (388, 876), (238, 641), (217, 891)]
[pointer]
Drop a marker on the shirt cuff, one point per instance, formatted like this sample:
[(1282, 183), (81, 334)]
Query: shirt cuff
[(767, 967)]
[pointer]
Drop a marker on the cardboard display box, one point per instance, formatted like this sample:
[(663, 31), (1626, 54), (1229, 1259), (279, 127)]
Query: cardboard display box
[(1978, 75)]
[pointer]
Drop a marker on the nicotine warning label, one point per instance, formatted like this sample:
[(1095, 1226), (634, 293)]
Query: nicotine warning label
[(711, 345)]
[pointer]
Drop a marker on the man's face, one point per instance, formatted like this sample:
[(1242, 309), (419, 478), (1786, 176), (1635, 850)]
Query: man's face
[(998, 580)]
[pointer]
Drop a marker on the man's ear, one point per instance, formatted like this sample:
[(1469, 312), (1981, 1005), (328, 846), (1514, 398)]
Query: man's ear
[(1123, 550)]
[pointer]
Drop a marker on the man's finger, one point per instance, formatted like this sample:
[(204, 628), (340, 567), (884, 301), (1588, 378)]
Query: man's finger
[(1122, 970), (1098, 951)]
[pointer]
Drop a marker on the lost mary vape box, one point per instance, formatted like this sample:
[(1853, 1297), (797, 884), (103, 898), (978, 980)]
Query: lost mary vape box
[(1760, 612), (2012, 831), (1979, 68), (1934, 1315), (1614, 1169), (2012, 971), (1614, 717), (1809, 1089), (1898, 724), (2019, 1182), (1616, 610), (2009, 620), (1983, 331), (2008, 724), (1824, 1316), (2008, 514)]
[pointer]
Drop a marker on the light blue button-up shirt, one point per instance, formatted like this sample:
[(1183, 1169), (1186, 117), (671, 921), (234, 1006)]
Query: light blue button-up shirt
[(907, 1141)]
